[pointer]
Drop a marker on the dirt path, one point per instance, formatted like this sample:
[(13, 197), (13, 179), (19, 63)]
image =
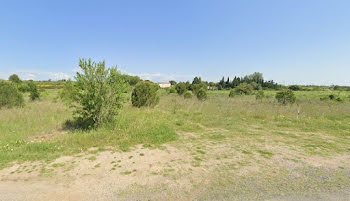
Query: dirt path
[(196, 169)]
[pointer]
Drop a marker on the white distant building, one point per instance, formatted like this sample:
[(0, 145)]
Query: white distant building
[(164, 84)]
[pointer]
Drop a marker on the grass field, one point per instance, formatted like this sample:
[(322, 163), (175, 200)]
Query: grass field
[(246, 148)]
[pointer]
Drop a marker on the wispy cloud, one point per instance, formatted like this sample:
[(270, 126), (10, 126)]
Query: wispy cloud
[(45, 75), (42, 75), (160, 77)]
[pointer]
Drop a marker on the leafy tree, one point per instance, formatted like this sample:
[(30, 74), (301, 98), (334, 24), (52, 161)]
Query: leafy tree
[(172, 82), (33, 91), (235, 82), (221, 84), (14, 78), (97, 94), (181, 88), (197, 80), (187, 95), (145, 94), (244, 89), (227, 83), (256, 77), (202, 94), (9, 95), (285, 97)]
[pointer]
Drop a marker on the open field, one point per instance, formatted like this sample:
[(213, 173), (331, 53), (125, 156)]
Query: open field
[(183, 149)]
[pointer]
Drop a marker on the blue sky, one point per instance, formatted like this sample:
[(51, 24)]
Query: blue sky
[(289, 41)]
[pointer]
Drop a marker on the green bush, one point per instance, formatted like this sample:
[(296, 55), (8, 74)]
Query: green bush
[(260, 95), (232, 93), (188, 95), (286, 96), (181, 88), (9, 95), (33, 91), (68, 93), (332, 97), (172, 90), (202, 94), (196, 87), (23, 87), (244, 89), (145, 94), (97, 95), (294, 88)]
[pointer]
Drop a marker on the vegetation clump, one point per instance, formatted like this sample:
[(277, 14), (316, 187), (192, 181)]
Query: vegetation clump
[(294, 88), (97, 94), (260, 95), (181, 88), (286, 96), (14, 78), (232, 93), (197, 87), (187, 95), (244, 89), (33, 91), (332, 97), (202, 94), (145, 94), (9, 95), (172, 90)]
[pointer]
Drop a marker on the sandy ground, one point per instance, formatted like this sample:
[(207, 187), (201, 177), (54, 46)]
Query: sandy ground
[(215, 171)]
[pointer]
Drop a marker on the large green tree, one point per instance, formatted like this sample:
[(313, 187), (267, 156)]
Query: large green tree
[(14, 78)]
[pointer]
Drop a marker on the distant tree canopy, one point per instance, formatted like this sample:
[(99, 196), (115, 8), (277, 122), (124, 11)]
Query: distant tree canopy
[(256, 80), (14, 78), (197, 80), (172, 82), (132, 80)]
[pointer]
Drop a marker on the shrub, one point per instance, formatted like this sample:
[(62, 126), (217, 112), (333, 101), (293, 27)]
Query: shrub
[(172, 90), (188, 95), (181, 88), (97, 94), (68, 93), (286, 96), (339, 99), (145, 94), (33, 91), (244, 89), (232, 93), (260, 95), (23, 87), (202, 94), (14, 78), (294, 88), (196, 87), (9, 95)]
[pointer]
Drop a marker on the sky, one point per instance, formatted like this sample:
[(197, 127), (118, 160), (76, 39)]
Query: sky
[(289, 41)]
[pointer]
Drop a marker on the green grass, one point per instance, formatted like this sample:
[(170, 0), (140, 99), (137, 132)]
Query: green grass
[(37, 132)]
